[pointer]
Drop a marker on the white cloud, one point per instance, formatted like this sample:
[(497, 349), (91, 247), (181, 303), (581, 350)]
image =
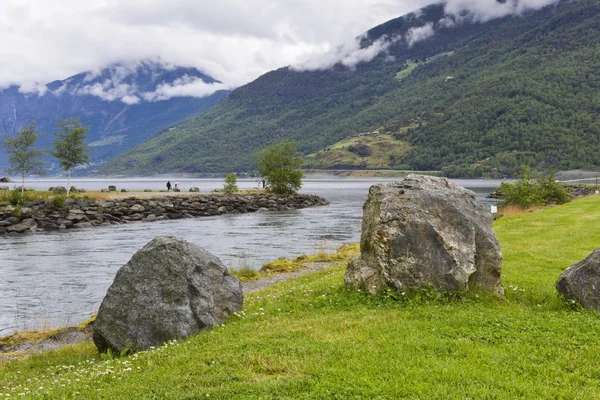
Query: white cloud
[(415, 35), (184, 87), (350, 55), (486, 10), (231, 40), (130, 99), (33, 88)]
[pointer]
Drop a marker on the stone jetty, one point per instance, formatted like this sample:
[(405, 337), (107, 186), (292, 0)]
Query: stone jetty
[(35, 216)]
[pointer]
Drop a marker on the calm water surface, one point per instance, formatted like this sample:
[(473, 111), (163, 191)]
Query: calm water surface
[(58, 278)]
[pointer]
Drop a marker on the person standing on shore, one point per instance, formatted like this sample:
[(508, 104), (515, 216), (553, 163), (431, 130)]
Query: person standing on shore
[(168, 186)]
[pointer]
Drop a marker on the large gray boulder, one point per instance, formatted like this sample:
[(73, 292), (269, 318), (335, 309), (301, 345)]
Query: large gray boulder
[(581, 282), (170, 289), (59, 190), (426, 232)]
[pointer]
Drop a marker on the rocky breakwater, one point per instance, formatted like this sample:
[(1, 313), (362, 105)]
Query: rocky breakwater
[(34, 216)]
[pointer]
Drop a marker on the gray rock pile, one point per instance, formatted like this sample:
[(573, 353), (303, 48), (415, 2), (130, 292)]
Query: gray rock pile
[(581, 282), (80, 213), (426, 232), (169, 290)]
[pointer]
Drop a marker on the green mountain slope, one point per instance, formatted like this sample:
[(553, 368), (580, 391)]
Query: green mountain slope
[(488, 98)]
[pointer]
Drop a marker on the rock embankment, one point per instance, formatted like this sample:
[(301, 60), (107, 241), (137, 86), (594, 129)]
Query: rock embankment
[(38, 215)]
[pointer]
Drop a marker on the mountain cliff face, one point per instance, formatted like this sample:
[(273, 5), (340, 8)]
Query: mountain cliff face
[(461, 95), (123, 106)]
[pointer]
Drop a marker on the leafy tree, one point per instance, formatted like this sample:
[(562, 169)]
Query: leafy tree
[(23, 157), (230, 183), (279, 165), (69, 147)]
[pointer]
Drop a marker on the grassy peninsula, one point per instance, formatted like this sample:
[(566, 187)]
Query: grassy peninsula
[(310, 337)]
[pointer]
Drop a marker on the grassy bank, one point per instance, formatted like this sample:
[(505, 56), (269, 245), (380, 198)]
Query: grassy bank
[(15, 197), (312, 338)]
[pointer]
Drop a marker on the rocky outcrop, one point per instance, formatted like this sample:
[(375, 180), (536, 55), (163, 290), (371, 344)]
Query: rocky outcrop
[(79, 213), (426, 232), (170, 289), (581, 282), (23, 226)]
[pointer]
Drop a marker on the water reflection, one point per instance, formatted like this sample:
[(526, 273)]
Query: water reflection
[(59, 278)]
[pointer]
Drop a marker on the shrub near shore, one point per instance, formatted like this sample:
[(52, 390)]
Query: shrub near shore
[(312, 338)]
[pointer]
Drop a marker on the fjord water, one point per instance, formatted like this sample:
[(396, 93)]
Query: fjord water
[(59, 278)]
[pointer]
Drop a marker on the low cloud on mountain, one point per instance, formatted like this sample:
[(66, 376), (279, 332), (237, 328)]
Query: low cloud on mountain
[(184, 87), (457, 12), (232, 41)]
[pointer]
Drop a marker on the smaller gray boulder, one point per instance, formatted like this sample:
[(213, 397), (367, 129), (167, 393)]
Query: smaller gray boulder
[(195, 189), (59, 190), (112, 188), (581, 282), (22, 226), (137, 208), (170, 289)]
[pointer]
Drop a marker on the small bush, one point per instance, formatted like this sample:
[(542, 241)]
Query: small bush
[(281, 265), (245, 274), (230, 184), (533, 190), (59, 200), (15, 197), (360, 149), (17, 210)]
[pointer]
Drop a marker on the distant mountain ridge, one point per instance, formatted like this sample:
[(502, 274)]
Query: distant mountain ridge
[(466, 98), (122, 105)]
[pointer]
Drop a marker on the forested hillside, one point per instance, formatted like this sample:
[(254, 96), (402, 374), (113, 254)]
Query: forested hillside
[(475, 98)]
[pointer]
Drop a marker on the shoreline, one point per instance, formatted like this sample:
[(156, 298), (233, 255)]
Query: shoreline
[(21, 344), (73, 213)]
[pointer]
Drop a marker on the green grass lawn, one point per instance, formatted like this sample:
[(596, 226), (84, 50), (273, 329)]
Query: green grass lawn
[(312, 338)]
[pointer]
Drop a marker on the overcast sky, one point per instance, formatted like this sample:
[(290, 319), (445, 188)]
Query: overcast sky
[(233, 41)]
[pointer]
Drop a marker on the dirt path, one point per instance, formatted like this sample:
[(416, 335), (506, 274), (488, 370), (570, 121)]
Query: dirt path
[(70, 336)]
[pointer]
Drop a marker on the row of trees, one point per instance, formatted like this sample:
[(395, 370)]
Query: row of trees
[(69, 149)]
